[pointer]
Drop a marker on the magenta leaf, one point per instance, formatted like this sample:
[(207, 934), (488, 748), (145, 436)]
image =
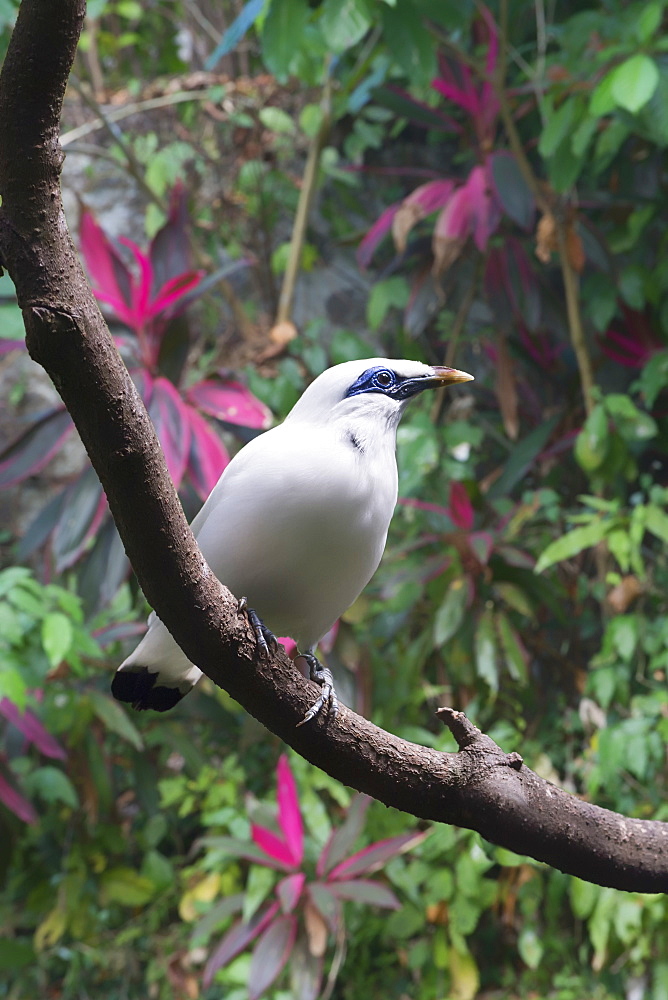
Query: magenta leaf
[(376, 234), (289, 813), (375, 856), (171, 419), (454, 222), (208, 455), (270, 954), (237, 938), (16, 803), (33, 730), (169, 251), (11, 345), (431, 196), (424, 505), (364, 891), (289, 891), (111, 278), (461, 508), (144, 383), (484, 211), (173, 290), (273, 847), (230, 401), (30, 453), (343, 838)]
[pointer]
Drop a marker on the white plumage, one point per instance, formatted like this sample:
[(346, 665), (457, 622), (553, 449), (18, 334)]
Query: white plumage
[(298, 520)]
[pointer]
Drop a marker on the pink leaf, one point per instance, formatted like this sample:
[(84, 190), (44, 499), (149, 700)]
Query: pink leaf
[(289, 890), (237, 938), (463, 99), (109, 274), (289, 813), (171, 418), (454, 221), (174, 290), (484, 210), (461, 508), (11, 345), (16, 802), (169, 251), (376, 234), (273, 846), (208, 455), (375, 856), (365, 891), (229, 400), (431, 196), (28, 724), (271, 954)]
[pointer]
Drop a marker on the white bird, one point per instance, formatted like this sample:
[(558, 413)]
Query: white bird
[(297, 523)]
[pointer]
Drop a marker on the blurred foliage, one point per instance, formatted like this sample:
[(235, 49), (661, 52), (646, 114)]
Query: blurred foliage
[(525, 578)]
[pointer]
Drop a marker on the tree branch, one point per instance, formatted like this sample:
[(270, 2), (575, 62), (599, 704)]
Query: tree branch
[(480, 787)]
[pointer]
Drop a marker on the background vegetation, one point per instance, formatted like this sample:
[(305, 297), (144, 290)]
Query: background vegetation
[(484, 186)]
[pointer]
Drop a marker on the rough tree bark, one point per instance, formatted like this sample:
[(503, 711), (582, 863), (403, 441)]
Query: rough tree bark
[(480, 787)]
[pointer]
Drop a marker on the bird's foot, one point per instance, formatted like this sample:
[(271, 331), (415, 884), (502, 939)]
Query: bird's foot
[(264, 637), (322, 676)]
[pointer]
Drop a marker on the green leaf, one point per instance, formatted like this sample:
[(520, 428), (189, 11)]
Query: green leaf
[(409, 42), (283, 34), (125, 886), (276, 120), (115, 718), (583, 897), (648, 21), (530, 947), (572, 543), (450, 614), (591, 446), (52, 785), (57, 635), (385, 295), (634, 82), (486, 652), (558, 127), (511, 647), (656, 521), (344, 23), (522, 457), (602, 101)]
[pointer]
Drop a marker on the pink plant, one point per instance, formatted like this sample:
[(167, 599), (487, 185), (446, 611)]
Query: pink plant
[(33, 731), (307, 906)]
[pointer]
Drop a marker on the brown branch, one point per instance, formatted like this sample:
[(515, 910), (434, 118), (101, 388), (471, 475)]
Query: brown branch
[(480, 787)]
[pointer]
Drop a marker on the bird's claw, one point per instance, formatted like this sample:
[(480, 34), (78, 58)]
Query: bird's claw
[(264, 637), (322, 676)]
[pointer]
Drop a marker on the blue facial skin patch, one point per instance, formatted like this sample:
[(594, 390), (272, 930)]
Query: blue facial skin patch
[(390, 384)]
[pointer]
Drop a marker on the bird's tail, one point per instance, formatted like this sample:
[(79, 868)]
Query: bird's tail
[(157, 674)]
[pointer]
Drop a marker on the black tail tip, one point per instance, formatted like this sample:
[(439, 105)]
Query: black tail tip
[(138, 688)]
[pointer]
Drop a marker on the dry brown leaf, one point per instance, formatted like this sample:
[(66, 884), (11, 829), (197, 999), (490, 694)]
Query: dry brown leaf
[(446, 252), (506, 389), (624, 593), (316, 930), (546, 238), (408, 215)]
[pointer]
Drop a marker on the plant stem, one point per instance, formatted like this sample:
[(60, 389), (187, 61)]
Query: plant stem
[(284, 311)]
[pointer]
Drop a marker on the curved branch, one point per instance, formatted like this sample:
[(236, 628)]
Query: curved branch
[(479, 787)]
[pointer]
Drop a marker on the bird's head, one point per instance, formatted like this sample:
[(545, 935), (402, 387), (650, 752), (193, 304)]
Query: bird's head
[(377, 388)]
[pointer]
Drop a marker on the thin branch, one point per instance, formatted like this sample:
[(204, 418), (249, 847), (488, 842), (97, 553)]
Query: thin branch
[(309, 182)]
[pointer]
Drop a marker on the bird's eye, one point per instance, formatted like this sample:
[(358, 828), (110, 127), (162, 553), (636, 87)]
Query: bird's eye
[(384, 379)]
